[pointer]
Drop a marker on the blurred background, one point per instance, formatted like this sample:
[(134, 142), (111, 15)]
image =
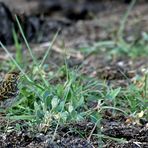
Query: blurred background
[(82, 22)]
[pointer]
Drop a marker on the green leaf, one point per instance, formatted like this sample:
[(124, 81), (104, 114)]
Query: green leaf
[(54, 102), (22, 117), (70, 108), (64, 115), (113, 93)]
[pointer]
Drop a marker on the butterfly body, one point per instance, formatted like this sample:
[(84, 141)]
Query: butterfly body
[(8, 87)]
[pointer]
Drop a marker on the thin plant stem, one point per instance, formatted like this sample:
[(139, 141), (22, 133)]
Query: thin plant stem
[(26, 42), (122, 24), (14, 61), (49, 48)]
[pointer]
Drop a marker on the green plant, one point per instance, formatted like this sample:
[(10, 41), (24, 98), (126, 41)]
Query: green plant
[(44, 103), (19, 51), (118, 46)]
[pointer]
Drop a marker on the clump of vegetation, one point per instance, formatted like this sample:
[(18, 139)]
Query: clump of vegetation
[(68, 99)]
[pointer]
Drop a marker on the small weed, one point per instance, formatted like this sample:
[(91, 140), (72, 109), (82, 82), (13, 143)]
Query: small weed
[(118, 46)]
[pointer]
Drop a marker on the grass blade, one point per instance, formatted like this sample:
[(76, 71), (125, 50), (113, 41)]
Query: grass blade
[(26, 42), (49, 48)]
